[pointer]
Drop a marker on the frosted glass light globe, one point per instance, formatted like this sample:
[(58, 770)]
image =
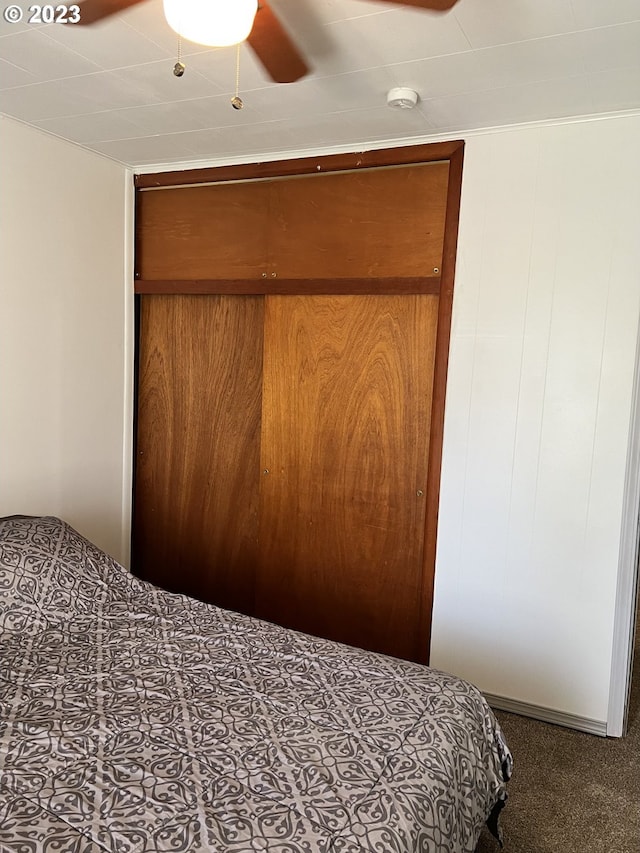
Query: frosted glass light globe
[(216, 23)]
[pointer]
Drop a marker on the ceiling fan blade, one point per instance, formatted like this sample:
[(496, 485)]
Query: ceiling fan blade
[(431, 5), (95, 10), (274, 48)]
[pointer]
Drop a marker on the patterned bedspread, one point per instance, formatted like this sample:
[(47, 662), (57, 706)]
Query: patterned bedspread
[(133, 720)]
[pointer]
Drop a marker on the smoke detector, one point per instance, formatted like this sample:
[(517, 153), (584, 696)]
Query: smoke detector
[(402, 98)]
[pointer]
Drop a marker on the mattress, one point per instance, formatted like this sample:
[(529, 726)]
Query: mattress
[(134, 720)]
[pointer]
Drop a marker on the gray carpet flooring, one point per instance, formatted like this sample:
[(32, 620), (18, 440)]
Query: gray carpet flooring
[(571, 792)]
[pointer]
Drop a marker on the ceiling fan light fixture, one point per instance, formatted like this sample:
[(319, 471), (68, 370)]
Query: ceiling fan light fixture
[(215, 23)]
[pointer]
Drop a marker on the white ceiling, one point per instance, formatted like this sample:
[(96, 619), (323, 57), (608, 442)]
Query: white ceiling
[(486, 63)]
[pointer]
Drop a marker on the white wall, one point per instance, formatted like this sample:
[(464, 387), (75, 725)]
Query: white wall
[(64, 361), (537, 416)]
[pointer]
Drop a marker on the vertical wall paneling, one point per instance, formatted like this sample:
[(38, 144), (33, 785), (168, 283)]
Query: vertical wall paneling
[(538, 409)]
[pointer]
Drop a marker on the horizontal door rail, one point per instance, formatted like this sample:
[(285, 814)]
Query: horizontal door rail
[(282, 286)]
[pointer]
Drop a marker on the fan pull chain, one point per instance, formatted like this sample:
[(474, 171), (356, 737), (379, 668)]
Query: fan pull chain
[(236, 101), (178, 68)]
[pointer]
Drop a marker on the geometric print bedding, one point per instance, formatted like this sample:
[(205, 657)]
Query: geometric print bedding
[(134, 720)]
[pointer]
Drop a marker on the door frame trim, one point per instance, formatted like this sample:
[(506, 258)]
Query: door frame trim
[(405, 155), (625, 615)]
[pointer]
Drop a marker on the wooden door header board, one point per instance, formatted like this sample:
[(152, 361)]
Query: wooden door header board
[(374, 223)]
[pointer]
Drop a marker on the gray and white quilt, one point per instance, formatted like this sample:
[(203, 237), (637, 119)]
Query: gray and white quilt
[(133, 720)]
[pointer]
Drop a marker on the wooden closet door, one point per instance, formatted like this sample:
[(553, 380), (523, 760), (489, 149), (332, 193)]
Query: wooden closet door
[(345, 443), (197, 453)]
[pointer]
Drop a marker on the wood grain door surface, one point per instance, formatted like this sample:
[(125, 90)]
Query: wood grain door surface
[(344, 450), (198, 447), (288, 442), (379, 223), (282, 458)]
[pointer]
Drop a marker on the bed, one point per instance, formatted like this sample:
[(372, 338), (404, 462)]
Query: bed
[(133, 720)]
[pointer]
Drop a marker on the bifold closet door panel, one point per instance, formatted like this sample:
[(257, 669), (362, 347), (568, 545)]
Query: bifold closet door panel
[(197, 454), (345, 443)]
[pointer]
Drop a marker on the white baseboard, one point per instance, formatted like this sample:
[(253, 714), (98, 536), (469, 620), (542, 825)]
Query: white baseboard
[(548, 715)]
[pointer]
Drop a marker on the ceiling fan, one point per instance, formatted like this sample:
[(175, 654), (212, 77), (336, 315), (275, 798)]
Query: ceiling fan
[(267, 38)]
